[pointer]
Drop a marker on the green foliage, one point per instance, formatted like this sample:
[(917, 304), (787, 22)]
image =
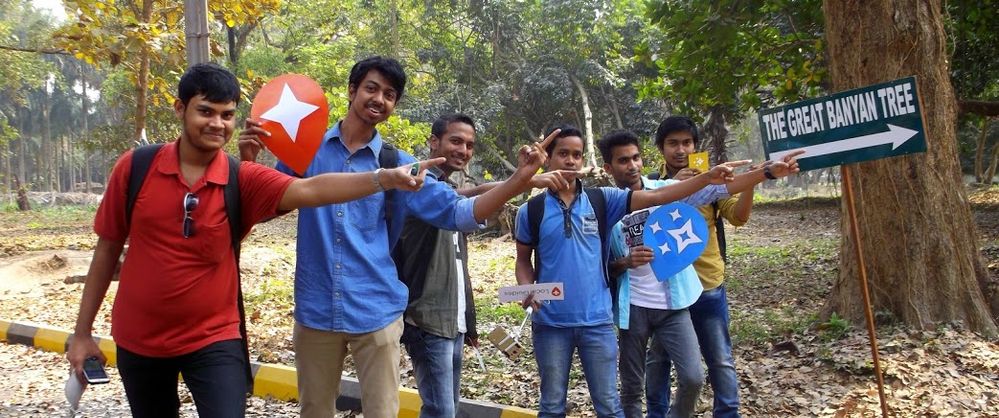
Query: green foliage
[(487, 309), (973, 33), (835, 328), (22, 26), (768, 325), (735, 54)]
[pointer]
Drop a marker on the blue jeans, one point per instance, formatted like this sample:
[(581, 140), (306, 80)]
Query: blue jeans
[(710, 317), (673, 331), (597, 345), (437, 366), (215, 375)]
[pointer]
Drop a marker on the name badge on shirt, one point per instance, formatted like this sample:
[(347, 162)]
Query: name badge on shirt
[(540, 291), (590, 225)]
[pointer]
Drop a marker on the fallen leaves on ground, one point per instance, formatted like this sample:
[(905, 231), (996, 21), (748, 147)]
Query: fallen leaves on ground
[(780, 272)]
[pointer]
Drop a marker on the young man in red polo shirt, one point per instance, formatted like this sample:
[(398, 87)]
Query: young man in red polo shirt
[(176, 306)]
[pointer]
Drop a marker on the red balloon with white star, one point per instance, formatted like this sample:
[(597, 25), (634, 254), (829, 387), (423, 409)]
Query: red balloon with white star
[(292, 107)]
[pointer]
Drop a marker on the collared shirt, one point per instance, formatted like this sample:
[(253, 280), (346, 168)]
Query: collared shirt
[(177, 295), (638, 286), (574, 256), (345, 280)]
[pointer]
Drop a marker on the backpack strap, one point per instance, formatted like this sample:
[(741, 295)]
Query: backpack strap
[(233, 211), (142, 159), (535, 212), (720, 231), (599, 205), (388, 157)]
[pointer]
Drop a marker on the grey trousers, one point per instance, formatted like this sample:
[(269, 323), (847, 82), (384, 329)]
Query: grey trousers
[(673, 330)]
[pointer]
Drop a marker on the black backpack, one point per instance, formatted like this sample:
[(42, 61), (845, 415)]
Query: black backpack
[(142, 159), (536, 212)]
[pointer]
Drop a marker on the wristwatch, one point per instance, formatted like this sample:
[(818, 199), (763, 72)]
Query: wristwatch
[(768, 174), (374, 179)]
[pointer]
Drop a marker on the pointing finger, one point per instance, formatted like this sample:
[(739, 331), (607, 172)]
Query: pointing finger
[(788, 157), (425, 164), (734, 164), (548, 140)]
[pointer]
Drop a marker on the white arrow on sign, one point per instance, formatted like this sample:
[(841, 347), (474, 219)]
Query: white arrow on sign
[(896, 136)]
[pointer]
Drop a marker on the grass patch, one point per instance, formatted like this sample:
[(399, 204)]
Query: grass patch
[(273, 291), (833, 329), (48, 216), (764, 326), (488, 309)]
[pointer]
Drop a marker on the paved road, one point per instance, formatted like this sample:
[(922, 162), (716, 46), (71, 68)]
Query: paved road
[(32, 385)]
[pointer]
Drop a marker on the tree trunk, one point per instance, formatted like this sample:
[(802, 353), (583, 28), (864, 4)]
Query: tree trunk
[(142, 78), (983, 131), (70, 166), (45, 154), (86, 129), (25, 134), (394, 29), (990, 174), (716, 134), (591, 155), (913, 206), (7, 170), (613, 107), (57, 164)]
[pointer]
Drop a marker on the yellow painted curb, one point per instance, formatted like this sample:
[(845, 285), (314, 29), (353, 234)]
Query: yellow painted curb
[(273, 380), (4, 326), (278, 381), (51, 339)]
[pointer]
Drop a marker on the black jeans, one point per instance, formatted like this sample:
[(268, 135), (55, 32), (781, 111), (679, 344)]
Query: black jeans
[(215, 375)]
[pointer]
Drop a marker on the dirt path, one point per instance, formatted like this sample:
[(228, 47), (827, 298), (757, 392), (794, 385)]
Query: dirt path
[(788, 364), (25, 275)]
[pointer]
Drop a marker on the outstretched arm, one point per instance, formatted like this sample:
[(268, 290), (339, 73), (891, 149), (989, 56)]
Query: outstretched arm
[(783, 168), (530, 159), (719, 174), (330, 188), (555, 180)]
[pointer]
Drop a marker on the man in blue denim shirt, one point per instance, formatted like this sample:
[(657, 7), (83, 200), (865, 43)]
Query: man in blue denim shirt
[(570, 250), (347, 292)]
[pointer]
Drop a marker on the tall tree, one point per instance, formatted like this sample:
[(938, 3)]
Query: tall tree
[(717, 60), (152, 49), (918, 200)]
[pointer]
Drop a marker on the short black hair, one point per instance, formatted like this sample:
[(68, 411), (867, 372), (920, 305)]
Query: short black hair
[(567, 131), (387, 67), (616, 139), (439, 127), (675, 124), (211, 80)]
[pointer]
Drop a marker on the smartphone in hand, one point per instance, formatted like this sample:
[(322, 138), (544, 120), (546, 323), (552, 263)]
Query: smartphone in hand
[(94, 372)]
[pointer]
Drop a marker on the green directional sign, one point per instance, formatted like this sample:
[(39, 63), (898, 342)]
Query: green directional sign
[(869, 123)]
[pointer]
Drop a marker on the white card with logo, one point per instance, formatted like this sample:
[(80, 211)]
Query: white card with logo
[(541, 291)]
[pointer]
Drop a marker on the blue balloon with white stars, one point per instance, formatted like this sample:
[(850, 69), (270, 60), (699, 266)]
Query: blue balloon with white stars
[(677, 235)]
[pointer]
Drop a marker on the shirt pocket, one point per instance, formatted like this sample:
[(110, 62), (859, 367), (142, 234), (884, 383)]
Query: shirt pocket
[(213, 242), (364, 214)]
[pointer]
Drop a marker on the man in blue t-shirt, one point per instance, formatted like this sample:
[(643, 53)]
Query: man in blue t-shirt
[(570, 251)]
